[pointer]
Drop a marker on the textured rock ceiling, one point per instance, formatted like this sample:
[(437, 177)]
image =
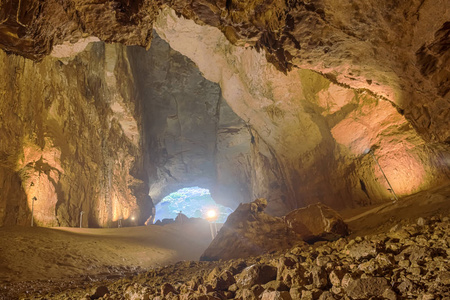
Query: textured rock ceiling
[(398, 51), (293, 93)]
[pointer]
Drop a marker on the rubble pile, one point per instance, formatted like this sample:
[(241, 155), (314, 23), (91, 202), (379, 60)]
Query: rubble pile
[(410, 261)]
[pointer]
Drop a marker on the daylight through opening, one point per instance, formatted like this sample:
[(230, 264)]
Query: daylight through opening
[(194, 202)]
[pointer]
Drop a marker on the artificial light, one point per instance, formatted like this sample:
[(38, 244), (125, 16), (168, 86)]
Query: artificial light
[(211, 214)]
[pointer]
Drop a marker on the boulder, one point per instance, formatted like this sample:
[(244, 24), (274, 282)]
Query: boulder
[(316, 222), (256, 274), (100, 292), (362, 250), (223, 281), (167, 288), (276, 295), (249, 231), (365, 288)]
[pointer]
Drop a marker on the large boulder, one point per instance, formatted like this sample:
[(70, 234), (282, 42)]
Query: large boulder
[(256, 274), (316, 222), (249, 231)]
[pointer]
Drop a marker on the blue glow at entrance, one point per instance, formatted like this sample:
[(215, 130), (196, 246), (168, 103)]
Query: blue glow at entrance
[(194, 202)]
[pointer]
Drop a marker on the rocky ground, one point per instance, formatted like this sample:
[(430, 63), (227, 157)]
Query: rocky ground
[(404, 256), (411, 261)]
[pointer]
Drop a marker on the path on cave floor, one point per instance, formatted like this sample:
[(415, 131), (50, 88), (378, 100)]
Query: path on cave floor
[(380, 218), (60, 253)]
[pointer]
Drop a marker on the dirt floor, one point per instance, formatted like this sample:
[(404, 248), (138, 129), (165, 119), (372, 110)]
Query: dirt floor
[(55, 253), (74, 255)]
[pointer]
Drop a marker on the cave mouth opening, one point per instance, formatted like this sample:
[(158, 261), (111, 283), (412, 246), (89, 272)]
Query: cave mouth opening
[(194, 202)]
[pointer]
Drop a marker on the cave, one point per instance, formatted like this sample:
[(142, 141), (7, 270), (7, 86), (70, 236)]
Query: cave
[(193, 202), (324, 125)]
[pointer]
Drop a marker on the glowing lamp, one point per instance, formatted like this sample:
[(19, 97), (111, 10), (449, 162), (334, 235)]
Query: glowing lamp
[(211, 214), (132, 218)]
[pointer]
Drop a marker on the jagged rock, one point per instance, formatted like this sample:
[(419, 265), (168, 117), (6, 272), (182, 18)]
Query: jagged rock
[(167, 288), (181, 218), (205, 288), (319, 277), (364, 249), (342, 277), (316, 222), (310, 294), (276, 285), (100, 292), (290, 272), (295, 292), (223, 281), (164, 222), (256, 274), (364, 288), (249, 231), (276, 295), (326, 296), (444, 278)]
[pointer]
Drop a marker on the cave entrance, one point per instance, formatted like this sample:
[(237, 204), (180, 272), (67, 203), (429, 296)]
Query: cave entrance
[(194, 202)]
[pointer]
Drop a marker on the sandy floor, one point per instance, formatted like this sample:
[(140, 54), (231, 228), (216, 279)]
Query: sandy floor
[(83, 254), (56, 253)]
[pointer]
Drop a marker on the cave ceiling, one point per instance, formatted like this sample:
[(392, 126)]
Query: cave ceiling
[(398, 51)]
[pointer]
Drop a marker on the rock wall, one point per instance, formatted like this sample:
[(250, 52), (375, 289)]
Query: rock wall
[(191, 136), (310, 134), (69, 137)]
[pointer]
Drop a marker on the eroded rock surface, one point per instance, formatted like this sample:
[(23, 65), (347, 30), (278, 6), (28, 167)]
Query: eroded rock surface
[(70, 137), (316, 222), (310, 132), (397, 51)]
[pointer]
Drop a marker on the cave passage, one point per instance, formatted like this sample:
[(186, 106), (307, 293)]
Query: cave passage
[(194, 202)]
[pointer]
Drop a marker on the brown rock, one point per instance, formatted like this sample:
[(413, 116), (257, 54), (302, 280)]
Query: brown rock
[(365, 288), (276, 295), (223, 281), (326, 296), (365, 249), (276, 285), (100, 292), (256, 274), (444, 278), (316, 222), (167, 288), (263, 233), (319, 277)]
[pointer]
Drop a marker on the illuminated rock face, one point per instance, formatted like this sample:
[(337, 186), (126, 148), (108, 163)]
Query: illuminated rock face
[(309, 134), (90, 134), (396, 50), (70, 138)]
